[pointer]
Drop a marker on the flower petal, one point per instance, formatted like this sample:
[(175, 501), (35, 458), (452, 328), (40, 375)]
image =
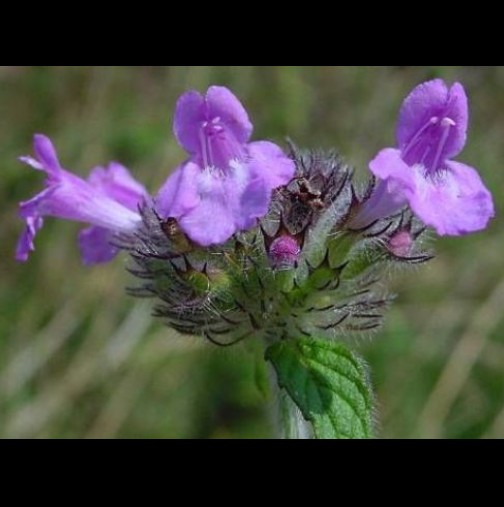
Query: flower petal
[(35, 164), (212, 221), (37, 205), (388, 165), (95, 247), (271, 164), (254, 204), (72, 198), (211, 205), (46, 154), (219, 105), (190, 113), (26, 241), (425, 101), (458, 111), (454, 201), (420, 122), (396, 184), (179, 194), (116, 182), (223, 104)]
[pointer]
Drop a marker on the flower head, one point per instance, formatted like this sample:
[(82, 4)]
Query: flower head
[(446, 195), (226, 184), (108, 201)]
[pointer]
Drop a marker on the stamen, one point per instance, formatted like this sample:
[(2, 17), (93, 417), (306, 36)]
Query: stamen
[(204, 145), (446, 124), (433, 121), (210, 148), (207, 133)]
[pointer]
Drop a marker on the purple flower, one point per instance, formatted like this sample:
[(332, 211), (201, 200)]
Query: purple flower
[(446, 195), (108, 201), (226, 184)]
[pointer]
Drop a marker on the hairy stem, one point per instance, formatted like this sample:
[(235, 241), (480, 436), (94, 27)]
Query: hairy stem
[(289, 422)]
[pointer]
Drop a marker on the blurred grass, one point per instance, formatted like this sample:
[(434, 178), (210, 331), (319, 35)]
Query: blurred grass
[(78, 358)]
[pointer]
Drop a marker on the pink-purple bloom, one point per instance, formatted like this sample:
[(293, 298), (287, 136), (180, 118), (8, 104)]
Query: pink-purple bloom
[(108, 201), (226, 183), (446, 195)]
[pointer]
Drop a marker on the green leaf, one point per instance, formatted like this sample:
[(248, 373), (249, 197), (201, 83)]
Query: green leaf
[(328, 383)]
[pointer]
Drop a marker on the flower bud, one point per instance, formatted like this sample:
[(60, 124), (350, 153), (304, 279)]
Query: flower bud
[(400, 243), (284, 252)]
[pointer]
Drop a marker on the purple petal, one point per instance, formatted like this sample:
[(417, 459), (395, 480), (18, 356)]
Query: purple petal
[(425, 101), (454, 201), (72, 198), (212, 221), (190, 114), (396, 184), (46, 154), (179, 194), (458, 110), (26, 241), (95, 247), (35, 164), (271, 164), (213, 128), (37, 205), (389, 166), (223, 104), (254, 204), (116, 182), (211, 205), (433, 123)]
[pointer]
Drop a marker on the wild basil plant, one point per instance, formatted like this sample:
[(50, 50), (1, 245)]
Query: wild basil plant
[(248, 242)]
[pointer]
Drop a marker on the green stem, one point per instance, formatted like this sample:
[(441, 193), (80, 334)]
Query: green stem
[(294, 425), (290, 423)]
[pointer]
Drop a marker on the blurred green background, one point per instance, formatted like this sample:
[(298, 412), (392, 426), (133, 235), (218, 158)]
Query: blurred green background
[(78, 358)]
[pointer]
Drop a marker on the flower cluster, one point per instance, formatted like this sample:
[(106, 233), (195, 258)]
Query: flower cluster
[(244, 239)]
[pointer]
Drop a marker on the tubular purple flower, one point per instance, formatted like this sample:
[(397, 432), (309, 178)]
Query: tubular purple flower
[(226, 184), (108, 201), (446, 195)]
